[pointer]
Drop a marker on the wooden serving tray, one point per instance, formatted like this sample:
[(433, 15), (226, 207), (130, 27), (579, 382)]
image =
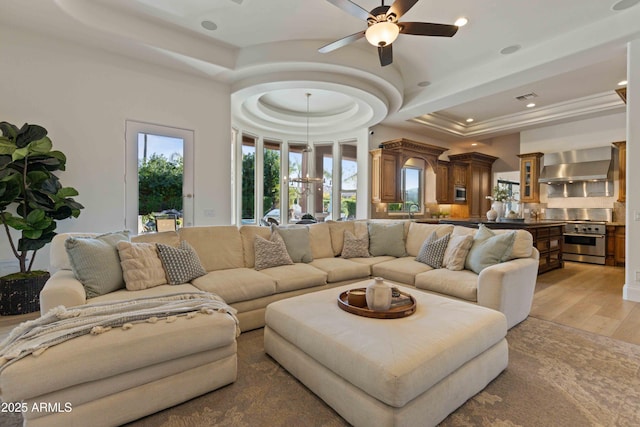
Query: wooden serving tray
[(392, 313)]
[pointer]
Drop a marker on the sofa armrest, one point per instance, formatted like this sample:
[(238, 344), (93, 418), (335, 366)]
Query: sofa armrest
[(62, 288), (509, 286)]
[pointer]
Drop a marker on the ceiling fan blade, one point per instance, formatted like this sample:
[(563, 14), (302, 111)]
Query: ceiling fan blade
[(400, 7), (351, 8), (427, 29), (386, 54), (342, 42)]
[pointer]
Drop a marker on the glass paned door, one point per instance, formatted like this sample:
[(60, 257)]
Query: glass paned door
[(159, 178)]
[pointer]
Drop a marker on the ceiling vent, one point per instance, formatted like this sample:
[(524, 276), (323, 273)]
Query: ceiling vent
[(526, 96)]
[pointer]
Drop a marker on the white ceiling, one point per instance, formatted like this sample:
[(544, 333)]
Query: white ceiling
[(572, 54)]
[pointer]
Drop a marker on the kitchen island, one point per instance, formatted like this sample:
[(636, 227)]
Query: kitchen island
[(547, 237)]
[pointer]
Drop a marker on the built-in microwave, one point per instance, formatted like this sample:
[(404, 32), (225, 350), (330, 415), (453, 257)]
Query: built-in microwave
[(459, 194)]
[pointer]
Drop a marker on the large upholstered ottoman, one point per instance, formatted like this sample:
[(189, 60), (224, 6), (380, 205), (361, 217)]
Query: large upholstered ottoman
[(412, 371), (123, 374)]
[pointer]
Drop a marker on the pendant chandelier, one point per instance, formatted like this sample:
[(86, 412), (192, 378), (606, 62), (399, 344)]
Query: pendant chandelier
[(304, 179)]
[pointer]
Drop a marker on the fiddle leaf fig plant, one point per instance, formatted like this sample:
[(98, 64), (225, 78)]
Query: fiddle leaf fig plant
[(32, 198)]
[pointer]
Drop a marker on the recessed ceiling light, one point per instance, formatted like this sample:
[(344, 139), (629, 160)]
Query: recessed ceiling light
[(624, 4), (512, 49), (461, 22), (531, 105), (424, 83), (209, 25), (469, 120), (473, 144), (622, 83)]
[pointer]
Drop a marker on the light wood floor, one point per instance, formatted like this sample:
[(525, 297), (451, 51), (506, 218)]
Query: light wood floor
[(583, 296)]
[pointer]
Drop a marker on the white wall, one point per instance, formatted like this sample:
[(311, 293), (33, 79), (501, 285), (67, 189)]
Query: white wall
[(83, 98)]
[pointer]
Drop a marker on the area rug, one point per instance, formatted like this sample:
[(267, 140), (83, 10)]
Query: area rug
[(557, 376)]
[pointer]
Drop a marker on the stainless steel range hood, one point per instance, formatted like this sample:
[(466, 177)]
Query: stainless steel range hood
[(593, 164)]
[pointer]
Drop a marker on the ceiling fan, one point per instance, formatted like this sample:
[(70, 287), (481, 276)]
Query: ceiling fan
[(384, 28)]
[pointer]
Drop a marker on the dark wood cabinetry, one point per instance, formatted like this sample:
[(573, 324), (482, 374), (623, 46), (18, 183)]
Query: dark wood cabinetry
[(459, 174), (478, 180), (444, 186), (622, 170), (548, 241), (615, 245), (384, 176)]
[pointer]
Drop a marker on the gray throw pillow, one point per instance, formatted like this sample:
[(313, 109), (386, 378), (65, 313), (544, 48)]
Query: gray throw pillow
[(270, 253), (296, 239), (181, 264), (355, 247), (95, 262), (433, 249), (386, 239), (489, 249)]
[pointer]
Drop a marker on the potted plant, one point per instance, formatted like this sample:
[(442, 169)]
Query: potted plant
[(31, 201)]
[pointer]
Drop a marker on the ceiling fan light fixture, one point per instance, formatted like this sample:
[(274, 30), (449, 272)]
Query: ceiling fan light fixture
[(382, 33), (461, 22)]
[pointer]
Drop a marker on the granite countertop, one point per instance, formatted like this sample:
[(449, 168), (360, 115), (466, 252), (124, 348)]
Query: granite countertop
[(503, 224)]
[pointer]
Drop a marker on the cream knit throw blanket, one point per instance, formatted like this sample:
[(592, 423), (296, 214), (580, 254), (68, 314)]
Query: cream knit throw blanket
[(61, 324)]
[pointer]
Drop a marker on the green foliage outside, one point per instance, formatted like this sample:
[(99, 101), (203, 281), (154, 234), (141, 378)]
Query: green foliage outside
[(271, 190), (159, 184)]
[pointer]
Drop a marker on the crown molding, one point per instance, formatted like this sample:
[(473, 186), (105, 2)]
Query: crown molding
[(601, 103)]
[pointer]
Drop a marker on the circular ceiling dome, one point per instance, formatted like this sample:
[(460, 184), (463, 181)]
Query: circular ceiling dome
[(294, 101)]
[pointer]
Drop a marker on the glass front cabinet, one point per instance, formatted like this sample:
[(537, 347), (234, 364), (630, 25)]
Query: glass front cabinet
[(529, 174)]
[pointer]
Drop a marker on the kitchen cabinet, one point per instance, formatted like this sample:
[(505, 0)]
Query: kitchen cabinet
[(529, 174), (444, 189), (459, 174), (384, 176), (548, 240), (622, 170), (478, 179), (615, 245)]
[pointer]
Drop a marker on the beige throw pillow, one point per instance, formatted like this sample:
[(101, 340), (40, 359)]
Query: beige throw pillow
[(456, 252), (270, 253), (141, 265), (355, 247)]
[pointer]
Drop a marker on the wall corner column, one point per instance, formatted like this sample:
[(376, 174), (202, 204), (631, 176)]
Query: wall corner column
[(631, 289)]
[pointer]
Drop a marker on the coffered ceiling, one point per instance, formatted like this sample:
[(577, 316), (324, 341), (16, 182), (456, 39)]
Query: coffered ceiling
[(568, 56)]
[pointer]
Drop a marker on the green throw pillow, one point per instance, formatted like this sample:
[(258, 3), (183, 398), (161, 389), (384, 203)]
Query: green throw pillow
[(488, 249), (296, 239), (386, 239), (95, 262)]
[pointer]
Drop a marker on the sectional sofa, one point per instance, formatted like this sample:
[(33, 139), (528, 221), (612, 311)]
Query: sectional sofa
[(228, 256)]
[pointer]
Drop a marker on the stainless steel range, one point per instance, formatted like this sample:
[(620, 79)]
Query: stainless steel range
[(585, 232), (585, 241)]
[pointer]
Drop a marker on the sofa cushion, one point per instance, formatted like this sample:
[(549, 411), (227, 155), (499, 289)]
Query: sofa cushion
[(156, 291), (355, 247), (387, 239), (219, 247), (460, 284), (296, 276), (371, 261), (181, 264), (248, 235), (337, 229), (418, 233), (320, 240), (170, 238), (237, 284), (488, 249), (270, 253), (433, 249), (522, 245), (95, 262), (339, 269), (401, 270), (456, 253), (141, 265), (296, 239)]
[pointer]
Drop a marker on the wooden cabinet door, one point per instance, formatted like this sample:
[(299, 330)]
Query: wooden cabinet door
[(529, 174), (388, 178), (620, 246), (444, 190), (459, 174)]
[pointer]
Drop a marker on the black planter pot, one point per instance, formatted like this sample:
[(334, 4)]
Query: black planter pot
[(21, 295)]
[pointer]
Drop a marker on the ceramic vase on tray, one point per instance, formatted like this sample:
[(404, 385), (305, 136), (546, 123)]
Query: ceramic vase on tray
[(378, 295), (498, 211)]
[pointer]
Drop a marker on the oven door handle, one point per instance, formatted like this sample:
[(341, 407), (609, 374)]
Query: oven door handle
[(599, 236)]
